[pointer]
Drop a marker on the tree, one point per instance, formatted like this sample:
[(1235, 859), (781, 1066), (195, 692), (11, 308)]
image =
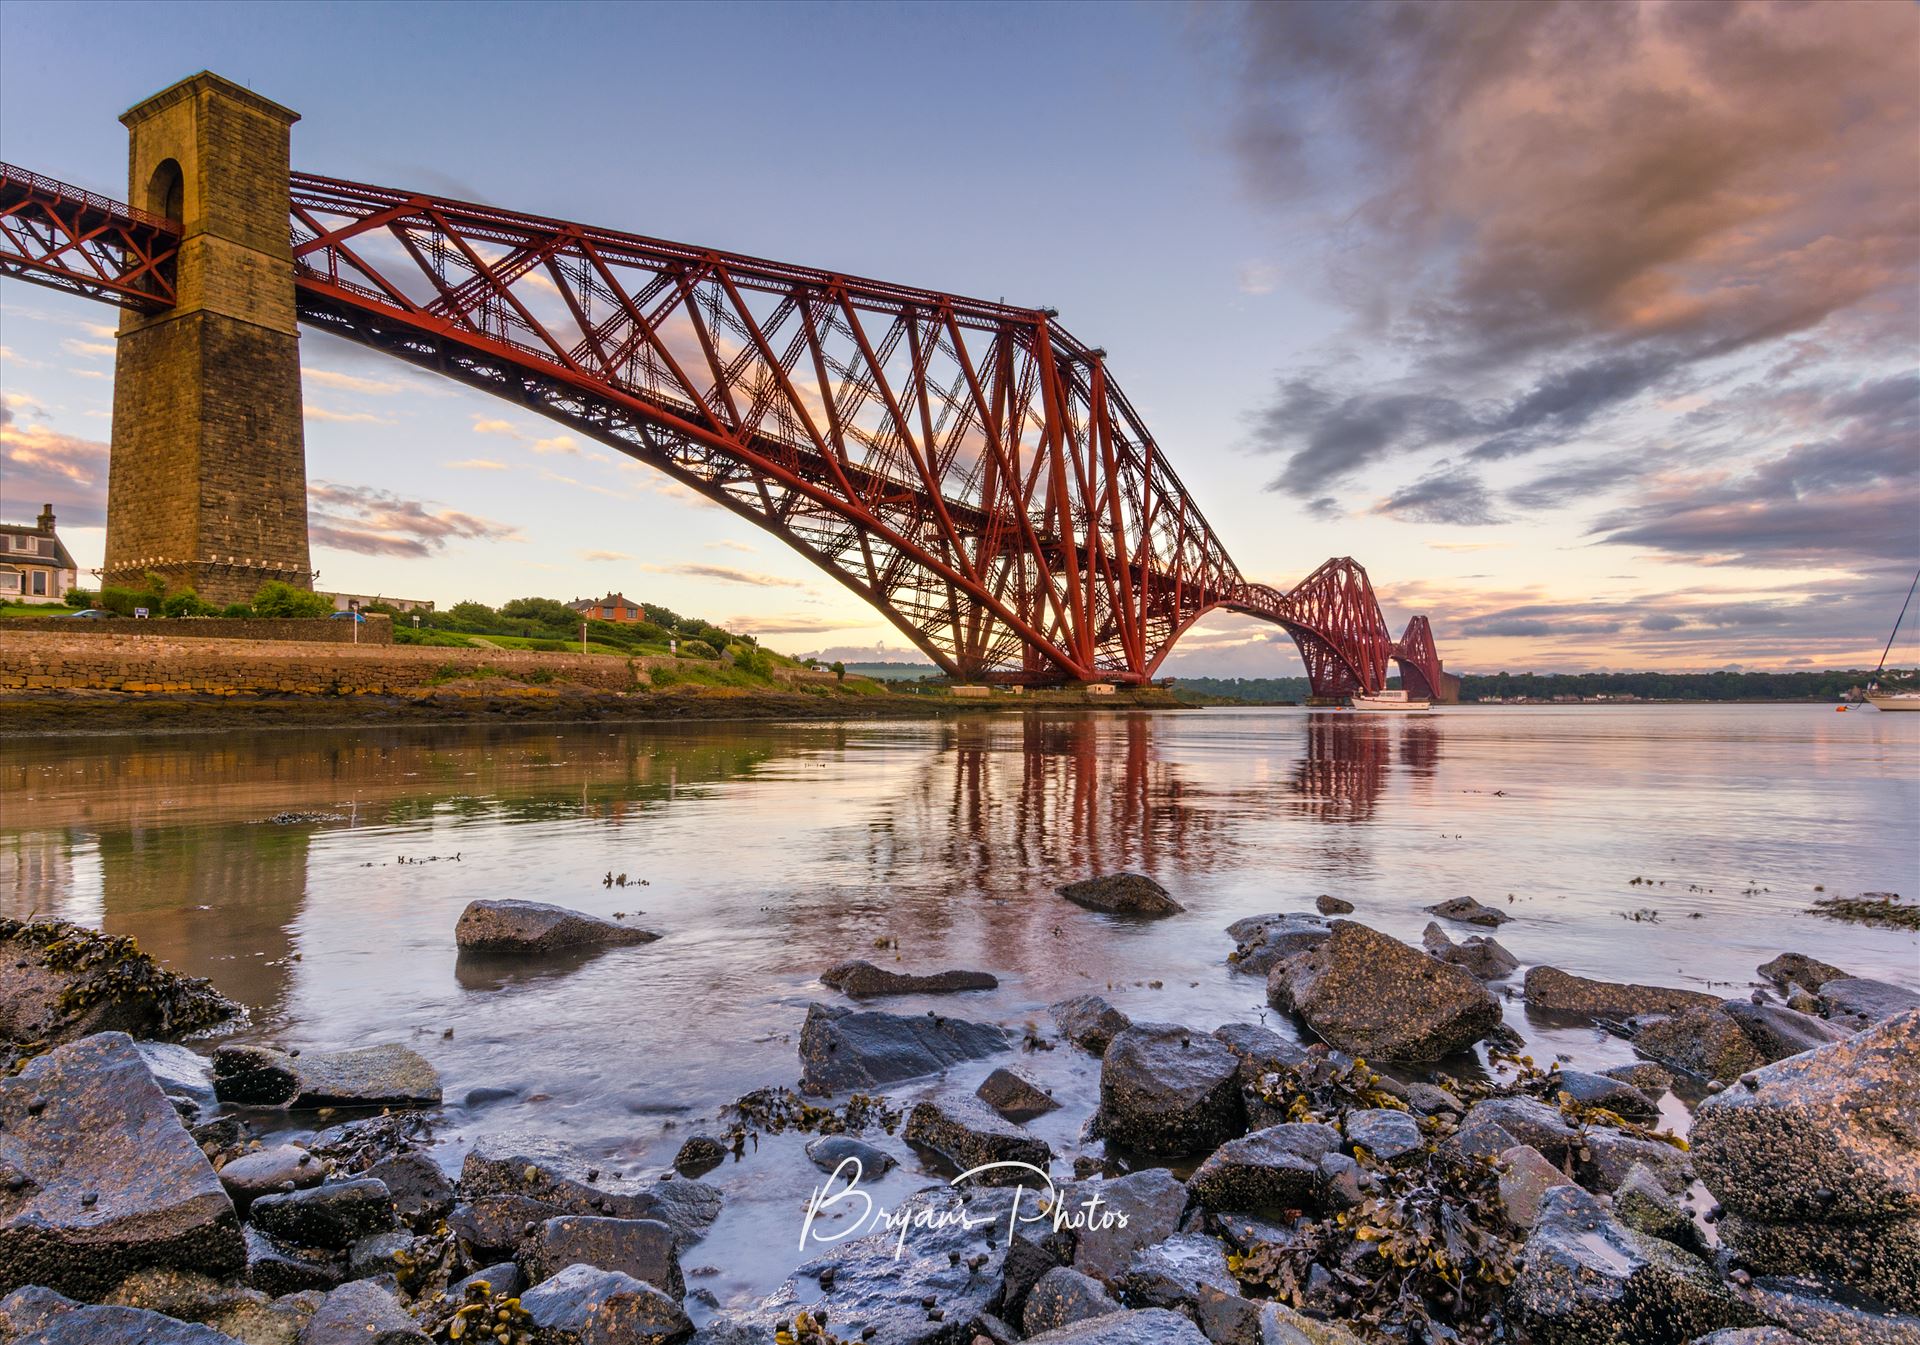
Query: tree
[(547, 612), (839, 671), (185, 603), (472, 613), (275, 599)]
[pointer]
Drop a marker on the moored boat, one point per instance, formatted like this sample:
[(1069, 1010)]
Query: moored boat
[(1884, 698), (1894, 700), (1392, 701)]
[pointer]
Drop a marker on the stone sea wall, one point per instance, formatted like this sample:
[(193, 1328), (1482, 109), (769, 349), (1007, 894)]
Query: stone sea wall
[(376, 629)]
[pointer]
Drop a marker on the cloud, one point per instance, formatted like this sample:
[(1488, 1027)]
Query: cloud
[(786, 625), (375, 522), (313, 411), (98, 349), (729, 544), (1447, 496), (559, 443), (727, 574), (477, 465), (492, 425), (604, 555), (39, 465), (372, 387)]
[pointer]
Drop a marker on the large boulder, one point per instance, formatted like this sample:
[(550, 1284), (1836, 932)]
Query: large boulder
[(1809, 973), (1586, 1279), (61, 981), (863, 980), (1468, 911), (1777, 1032), (1167, 1090), (362, 1312), (333, 1216), (1089, 1022), (1063, 1296), (1111, 1220), (39, 1316), (1275, 1169), (1550, 990), (1880, 1260), (842, 1049), (1702, 1041), (534, 1188), (1262, 940), (98, 1178), (1855, 1002), (1170, 1274), (1820, 1314), (970, 1135), (387, 1075), (1122, 894), (642, 1248), (1372, 995), (511, 926), (597, 1305)]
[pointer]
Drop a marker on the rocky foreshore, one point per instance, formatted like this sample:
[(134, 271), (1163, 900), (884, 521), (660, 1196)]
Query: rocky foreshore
[(1395, 1167)]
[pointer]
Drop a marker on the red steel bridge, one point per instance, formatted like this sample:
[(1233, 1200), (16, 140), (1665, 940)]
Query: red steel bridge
[(970, 468)]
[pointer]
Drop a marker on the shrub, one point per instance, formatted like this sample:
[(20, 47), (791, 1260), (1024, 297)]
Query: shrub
[(697, 649), (185, 603), (664, 677), (121, 601), (237, 610), (476, 614), (839, 670), (754, 662), (276, 599), (81, 597)]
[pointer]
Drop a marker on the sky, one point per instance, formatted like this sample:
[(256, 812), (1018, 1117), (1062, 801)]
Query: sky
[(1591, 330)]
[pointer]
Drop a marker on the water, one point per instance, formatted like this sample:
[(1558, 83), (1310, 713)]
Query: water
[(770, 852)]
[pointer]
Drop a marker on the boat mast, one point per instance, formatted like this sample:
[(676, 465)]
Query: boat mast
[(1895, 632)]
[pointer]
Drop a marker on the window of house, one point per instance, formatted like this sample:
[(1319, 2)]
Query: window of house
[(40, 582), (9, 583)]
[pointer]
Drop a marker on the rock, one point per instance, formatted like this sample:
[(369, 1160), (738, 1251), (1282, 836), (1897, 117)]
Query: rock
[(1064, 1296), (1374, 996), (863, 980), (1641, 1202), (1479, 955), (1429, 1100), (1482, 1139), (333, 1216), (275, 1269), (1150, 1326), (1550, 990), (389, 1075), (828, 1152), (1262, 940), (1612, 1155), (642, 1248), (1469, 912), (490, 1227), (60, 982), (1151, 1203), (605, 1306), (1014, 1097), (1383, 1132), (1790, 969), (79, 1217), (1777, 1033), (1169, 1274), (1649, 1078), (536, 927), (1261, 1051), (1089, 1022), (504, 1278), (842, 1049), (1587, 1280), (1527, 1121), (177, 1293), (254, 1076), (276, 1321), (1122, 894), (1226, 1319), (1749, 1335), (1703, 1042), (1525, 1178), (376, 1253), (39, 1316), (1857, 1002), (1271, 1170), (1281, 1325), (267, 1172), (1167, 1090), (1332, 905), (1609, 1094), (942, 1263), (969, 1135), (700, 1155), (422, 1195), (1880, 1260), (356, 1145), (687, 1207), (362, 1312), (1818, 1315)]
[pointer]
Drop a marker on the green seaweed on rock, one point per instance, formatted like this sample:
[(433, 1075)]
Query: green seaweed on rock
[(111, 968)]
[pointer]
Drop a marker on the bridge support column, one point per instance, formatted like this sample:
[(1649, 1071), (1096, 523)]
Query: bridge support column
[(208, 479)]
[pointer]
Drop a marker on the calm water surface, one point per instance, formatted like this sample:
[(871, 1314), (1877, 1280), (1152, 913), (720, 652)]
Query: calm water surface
[(770, 852)]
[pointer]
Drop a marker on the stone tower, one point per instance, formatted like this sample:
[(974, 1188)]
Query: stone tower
[(208, 477)]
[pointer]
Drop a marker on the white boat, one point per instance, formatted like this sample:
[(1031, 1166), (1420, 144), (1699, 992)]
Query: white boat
[(1894, 700), (1882, 698), (1398, 701)]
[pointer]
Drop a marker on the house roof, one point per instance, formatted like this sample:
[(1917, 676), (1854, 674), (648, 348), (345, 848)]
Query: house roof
[(61, 559), (611, 600)]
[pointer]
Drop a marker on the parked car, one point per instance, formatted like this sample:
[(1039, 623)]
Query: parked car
[(91, 614), (349, 616)]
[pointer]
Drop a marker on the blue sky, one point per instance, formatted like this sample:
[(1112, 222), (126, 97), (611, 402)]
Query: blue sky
[(1594, 389)]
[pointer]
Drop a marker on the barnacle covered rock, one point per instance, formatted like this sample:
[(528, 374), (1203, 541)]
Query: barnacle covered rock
[(61, 981)]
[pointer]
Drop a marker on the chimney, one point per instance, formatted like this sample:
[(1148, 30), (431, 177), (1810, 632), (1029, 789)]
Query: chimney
[(46, 519)]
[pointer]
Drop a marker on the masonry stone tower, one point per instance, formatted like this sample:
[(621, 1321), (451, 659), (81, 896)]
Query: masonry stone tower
[(208, 479)]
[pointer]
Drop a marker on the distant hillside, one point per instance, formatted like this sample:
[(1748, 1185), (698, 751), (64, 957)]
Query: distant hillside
[(894, 672), (1829, 685)]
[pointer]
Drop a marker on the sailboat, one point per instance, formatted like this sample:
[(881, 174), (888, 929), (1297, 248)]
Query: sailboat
[(1907, 698)]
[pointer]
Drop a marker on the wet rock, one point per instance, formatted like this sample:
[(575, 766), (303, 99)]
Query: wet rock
[(1281, 1325), (829, 1151), (1166, 1090), (642, 1248), (362, 1312), (276, 1269), (79, 1217), (1856, 1002), (388, 1075), (1879, 1260), (1376, 997), (176, 1293), (333, 1216), (266, 1172), (700, 1155), (1262, 940), (60, 982), (1063, 1296), (1791, 969), (1551, 990), (504, 1278), (490, 1227), (254, 1076), (378, 1253), (1332, 905), (1585, 1279), (1151, 1203), (1149, 1326), (537, 927), (1271, 1170), (1703, 1042), (968, 1134), (1479, 955), (39, 1316), (1777, 1033), (1749, 1335), (276, 1321), (1642, 1202), (421, 1192), (1612, 1155), (1430, 1100), (605, 1305), (354, 1146), (1823, 1316), (1122, 894), (863, 980), (1527, 1121), (1649, 1078), (1261, 1051), (1089, 1022), (842, 1049), (1470, 912), (1226, 1319), (496, 1169), (1014, 1097), (1525, 1178), (955, 1268), (1383, 1132), (1169, 1274), (1481, 1138), (1614, 1095)]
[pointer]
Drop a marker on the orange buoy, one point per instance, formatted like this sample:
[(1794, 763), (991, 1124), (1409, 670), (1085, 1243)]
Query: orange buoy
[(1839, 709)]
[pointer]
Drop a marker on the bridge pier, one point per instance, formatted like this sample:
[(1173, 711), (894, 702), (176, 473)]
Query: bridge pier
[(207, 483)]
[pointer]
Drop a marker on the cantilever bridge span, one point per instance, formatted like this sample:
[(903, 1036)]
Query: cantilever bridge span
[(971, 468)]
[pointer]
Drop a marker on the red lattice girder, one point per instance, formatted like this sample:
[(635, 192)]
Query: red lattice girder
[(58, 235)]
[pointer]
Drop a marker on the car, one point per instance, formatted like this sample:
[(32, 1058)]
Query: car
[(91, 614), (348, 616)]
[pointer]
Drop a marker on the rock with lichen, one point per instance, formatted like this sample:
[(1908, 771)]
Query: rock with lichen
[(1122, 894), (1372, 995), (1168, 1090), (60, 981)]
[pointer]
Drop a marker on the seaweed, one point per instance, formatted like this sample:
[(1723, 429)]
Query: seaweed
[(805, 1328), (110, 968), (485, 1315), (776, 1110), (1882, 910)]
